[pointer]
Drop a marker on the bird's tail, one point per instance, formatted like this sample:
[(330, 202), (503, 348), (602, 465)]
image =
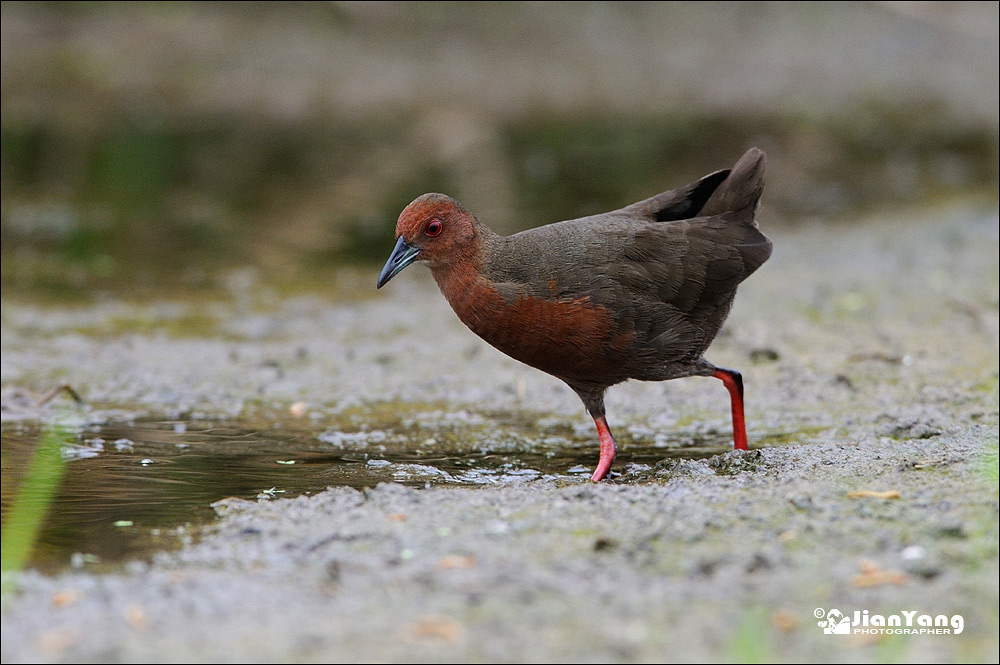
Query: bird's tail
[(741, 189)]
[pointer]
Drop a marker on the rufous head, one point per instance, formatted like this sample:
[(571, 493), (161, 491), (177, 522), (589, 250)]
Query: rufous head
[(435, 229)]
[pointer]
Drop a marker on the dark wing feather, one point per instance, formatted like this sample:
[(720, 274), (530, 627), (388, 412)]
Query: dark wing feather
[(717, 193), (682, 203)]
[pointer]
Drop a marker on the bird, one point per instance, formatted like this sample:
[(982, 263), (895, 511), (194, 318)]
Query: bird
[(635, 293)]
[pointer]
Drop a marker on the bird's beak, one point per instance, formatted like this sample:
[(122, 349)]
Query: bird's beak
[(402, 256)]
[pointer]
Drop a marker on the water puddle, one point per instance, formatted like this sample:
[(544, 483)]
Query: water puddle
[(131, 489)]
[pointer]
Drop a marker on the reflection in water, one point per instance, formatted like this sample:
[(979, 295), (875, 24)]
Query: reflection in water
[(132, 489)]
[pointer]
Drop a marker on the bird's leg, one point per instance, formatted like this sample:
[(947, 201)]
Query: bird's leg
[(608, 449), (734, 384)]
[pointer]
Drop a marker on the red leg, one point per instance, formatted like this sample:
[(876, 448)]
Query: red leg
[(608, 449), (734, 383)]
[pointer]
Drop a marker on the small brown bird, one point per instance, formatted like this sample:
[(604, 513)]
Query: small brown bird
[(637, 293)]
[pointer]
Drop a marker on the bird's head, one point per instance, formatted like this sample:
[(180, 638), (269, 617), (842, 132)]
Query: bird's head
[(435, 229)]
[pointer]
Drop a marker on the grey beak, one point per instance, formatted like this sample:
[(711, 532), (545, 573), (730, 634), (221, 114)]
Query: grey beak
[(402, 256)]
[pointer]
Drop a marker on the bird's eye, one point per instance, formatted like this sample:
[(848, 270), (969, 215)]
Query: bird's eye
[(434, 228)]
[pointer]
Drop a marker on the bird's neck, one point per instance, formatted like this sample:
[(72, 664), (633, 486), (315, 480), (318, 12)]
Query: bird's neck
[(469, 292), (468, 289)]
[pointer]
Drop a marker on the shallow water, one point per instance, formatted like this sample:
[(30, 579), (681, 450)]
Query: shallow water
[(130, 489)]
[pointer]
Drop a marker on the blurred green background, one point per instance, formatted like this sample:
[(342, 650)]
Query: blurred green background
[(154, 148)]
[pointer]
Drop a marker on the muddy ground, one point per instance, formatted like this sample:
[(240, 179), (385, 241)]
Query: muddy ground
[(870, 354)]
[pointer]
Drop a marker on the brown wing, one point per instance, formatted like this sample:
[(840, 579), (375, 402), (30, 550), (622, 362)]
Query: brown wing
[(681, 278), (668, 282)]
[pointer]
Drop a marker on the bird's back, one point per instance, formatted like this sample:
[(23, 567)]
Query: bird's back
[(638, 292)]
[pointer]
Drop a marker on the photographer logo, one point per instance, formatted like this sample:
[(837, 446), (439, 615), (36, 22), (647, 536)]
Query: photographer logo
[(835, 622)]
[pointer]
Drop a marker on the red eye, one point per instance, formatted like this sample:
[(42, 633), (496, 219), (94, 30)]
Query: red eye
[(434, 228)]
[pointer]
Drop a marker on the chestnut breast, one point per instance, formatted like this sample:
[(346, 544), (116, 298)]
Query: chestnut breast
[(570, 337)]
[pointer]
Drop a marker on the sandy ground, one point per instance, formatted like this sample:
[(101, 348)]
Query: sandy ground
[(870, 354)]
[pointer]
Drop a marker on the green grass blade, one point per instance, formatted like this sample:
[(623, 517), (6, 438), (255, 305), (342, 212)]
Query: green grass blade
[(31, 503)]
